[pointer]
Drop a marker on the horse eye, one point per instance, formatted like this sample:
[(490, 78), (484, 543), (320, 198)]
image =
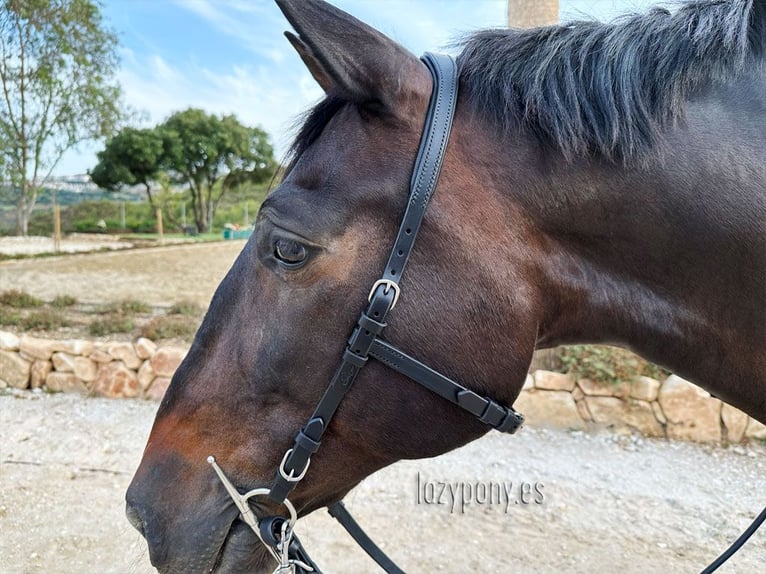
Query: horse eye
[(289, 252)]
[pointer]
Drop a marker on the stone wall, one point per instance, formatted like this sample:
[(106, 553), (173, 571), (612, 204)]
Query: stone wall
[(115, 370), (673, 408)]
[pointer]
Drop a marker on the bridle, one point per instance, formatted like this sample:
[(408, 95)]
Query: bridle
[(365, 342)]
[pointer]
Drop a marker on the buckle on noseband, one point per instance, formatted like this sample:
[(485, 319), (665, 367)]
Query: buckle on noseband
[(389, 285)]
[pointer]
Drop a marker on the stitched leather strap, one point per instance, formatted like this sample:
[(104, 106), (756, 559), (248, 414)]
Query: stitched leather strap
[(429, 162), (364, 340), (372, 320), (504, 419)]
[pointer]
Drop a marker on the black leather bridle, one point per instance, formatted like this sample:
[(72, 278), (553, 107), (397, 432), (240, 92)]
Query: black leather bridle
[(365, 342)]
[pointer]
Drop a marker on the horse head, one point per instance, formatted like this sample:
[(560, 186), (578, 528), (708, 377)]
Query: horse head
[(279, 320)]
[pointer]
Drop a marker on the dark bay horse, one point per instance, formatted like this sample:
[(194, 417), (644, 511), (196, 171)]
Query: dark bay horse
[(603, 183)]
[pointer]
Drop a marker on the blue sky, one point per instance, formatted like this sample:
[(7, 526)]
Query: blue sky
[(229, 56)]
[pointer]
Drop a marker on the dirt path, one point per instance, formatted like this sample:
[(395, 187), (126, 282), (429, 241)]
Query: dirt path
[(611, 504), (158, 276)]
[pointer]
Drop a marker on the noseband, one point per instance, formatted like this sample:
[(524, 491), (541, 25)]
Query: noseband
[(365, 342)]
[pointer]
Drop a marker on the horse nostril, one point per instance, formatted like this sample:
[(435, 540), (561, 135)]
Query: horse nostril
[(135, 519)]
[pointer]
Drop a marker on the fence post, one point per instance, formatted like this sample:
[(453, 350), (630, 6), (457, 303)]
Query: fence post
[(56, 227), (159, 226)]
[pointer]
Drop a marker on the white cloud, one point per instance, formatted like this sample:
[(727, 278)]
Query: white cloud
[(276, 88)]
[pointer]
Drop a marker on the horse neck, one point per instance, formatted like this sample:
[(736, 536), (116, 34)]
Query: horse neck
[(638, 257)]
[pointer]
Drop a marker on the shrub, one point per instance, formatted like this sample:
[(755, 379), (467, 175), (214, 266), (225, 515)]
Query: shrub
[(62, 301), (128, 307), (10, 317), (605, 364), (45, 319), (169, 327), (188, 308), (19, 299), (110, 323)]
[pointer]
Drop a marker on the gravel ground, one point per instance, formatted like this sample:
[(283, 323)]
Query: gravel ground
[(609, 503), (78, 243)]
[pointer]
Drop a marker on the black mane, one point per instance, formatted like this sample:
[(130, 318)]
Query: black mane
[(609, 89), (594, 88)]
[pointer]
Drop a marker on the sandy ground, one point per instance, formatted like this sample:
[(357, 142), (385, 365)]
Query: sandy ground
[(610, 503), (158, 276)]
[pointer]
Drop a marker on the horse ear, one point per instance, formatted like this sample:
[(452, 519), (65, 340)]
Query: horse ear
[(350, 59), (308, 57)]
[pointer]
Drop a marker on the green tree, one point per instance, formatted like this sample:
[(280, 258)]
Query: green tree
[(131, 157), (210, 154), (57, 67)]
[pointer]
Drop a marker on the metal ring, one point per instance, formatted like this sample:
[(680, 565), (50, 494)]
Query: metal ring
[(389, 285), (291, 477), (288, 505)]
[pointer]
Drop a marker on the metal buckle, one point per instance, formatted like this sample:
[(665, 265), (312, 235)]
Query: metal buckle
[(389, 285), (291, 477)]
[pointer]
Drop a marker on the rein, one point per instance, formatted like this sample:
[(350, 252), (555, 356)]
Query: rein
[(276, 532)]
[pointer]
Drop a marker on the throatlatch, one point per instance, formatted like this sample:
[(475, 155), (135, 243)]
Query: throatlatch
[(365, 342)]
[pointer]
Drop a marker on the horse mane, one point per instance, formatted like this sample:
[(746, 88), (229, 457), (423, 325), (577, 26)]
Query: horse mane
[(610, 89)]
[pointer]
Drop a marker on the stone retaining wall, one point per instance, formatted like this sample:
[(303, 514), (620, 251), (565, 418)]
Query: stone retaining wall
[(674, 408), (116, 370)]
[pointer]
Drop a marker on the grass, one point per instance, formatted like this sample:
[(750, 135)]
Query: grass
[(111, 323), (128, 307), (10, 317), (605, 364), (188, 308), (19, 299), (170, 327), (63, 301), (45, 319), (155, 236), (22, 311)]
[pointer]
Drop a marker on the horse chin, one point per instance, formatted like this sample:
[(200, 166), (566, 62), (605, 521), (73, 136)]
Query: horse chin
[(242, 552)]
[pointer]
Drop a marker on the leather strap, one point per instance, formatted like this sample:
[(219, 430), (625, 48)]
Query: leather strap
[(428, 164), (365, 339), (338, 512), (504, 419)]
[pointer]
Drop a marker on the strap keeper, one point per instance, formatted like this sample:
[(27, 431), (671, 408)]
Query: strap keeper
[(304, 442), (511, 423), (371, 325), (356, 360), (493, 414)]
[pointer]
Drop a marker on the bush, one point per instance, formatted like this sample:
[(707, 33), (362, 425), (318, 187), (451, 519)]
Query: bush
[(188, 308), (605, 364), (62, 301), (115, 322), (19, 299), (45, 319), (169, 327), (128, 307), (10, 317)]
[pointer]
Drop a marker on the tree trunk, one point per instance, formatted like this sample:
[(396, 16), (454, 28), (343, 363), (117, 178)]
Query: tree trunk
[(149, 195), (532, 13), (22, 225)]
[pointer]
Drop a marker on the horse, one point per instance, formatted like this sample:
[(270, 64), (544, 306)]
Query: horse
[(603, 183)]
